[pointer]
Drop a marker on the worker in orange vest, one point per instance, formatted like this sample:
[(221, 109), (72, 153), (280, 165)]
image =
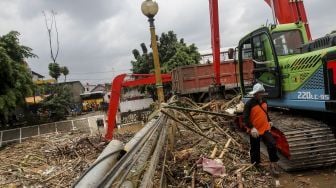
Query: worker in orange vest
[(256, 119)]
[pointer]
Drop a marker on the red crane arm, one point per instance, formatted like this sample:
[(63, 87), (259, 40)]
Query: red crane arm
[(215, 39), (290, 11), (117, 84), (150, 79)]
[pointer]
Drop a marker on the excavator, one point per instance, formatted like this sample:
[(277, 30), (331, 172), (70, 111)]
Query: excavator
[(297, 72), (299, 76)]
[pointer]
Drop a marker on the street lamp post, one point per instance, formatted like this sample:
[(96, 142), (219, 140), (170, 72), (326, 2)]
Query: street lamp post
[(149, 9)]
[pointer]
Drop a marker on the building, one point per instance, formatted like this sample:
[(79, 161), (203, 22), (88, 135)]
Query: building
[(36, 76), (76, 89), (93, 97), (89, 87)]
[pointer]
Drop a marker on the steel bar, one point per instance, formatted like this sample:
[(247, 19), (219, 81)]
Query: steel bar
[(127, 159), (138, 165), (148, 176), (163, 182)]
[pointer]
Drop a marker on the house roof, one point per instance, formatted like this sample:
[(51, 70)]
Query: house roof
[(99, 87), (95, 94), (37, 74)]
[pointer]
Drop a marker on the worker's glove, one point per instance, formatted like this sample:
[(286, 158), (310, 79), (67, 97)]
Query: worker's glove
[(254, 133), (271, 123)]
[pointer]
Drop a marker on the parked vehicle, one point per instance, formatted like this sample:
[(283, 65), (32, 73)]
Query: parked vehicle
[(194, 80)]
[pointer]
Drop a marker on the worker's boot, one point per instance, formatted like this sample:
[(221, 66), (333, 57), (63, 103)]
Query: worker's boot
[(274, 168)]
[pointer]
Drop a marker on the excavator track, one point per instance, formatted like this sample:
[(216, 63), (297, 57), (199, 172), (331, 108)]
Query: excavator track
[(308, 143)]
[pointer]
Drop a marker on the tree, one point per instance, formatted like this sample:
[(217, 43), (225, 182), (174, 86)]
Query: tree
[(50, 30), (15, 77), (65, 72), (58, 103), (172, 53), (54, 69)]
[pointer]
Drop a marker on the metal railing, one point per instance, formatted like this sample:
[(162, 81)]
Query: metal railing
[(17, 135)]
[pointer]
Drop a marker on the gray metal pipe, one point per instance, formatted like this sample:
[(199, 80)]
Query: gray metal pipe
[(139, 135), (147, 180), (135, 145), (93, 177), (140, 162)]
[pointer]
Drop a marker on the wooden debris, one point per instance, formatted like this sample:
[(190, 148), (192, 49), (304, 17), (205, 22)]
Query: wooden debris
[(54, 160), (205, 130), (213, 153), (185, 125), (225, 148), (240, 180), (184, 154)]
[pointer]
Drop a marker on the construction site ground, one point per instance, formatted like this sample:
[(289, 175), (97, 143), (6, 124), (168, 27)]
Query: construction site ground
[(186, 155), (52, 160), (57, 160)]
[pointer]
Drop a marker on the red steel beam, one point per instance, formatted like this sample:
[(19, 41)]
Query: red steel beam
[(215, 39), (117, 84), (114, 104), (290, 11)]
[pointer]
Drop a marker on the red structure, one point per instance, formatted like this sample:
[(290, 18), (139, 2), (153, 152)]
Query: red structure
[(194, 79), (117, 84), (290, 11), (215, 39)]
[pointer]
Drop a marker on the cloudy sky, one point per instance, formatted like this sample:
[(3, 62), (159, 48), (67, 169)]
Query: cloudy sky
[(97, 37)]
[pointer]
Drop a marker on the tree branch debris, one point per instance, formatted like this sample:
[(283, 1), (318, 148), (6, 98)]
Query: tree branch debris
[(209, 134), (54, 160)]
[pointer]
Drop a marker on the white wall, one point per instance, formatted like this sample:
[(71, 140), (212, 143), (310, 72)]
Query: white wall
[(134, 105)]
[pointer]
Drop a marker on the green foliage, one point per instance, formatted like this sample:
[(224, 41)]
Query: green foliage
[(65, 72), (54, 70), (172, 53), (58, 103), (15, 78)]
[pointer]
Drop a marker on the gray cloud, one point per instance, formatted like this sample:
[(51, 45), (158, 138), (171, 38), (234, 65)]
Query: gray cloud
[(97, 37), (83, 12)]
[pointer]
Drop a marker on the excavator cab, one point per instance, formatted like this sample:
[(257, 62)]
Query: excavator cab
[(258, 47)]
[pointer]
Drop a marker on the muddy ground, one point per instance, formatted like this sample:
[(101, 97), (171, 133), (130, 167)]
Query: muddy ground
[(319, 178)]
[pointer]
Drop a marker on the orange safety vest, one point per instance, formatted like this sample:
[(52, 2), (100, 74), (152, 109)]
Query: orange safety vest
[(258, 118)]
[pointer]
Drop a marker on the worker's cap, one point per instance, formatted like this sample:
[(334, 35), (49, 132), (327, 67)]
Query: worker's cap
[(257, 88)]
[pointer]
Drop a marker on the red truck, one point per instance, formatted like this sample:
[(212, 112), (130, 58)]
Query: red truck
[(194, 80)]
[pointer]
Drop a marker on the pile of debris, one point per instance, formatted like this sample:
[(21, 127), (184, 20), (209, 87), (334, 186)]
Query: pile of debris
[(54, 160), (208, 151)]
